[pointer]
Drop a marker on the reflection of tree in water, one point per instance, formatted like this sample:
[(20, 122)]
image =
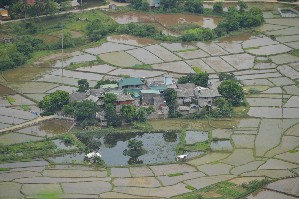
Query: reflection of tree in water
[(134, 160), (92, 142), (170, 137), (55, 126), (111, 140)]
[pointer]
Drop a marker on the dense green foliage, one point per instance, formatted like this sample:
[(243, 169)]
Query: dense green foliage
[(99, 28), (170, 97), (138, 29), (198, 34), (194, 6), (40, 7), (83, 85), (223, 108), (135, 144), (235, 20), (84, 110), (232, 92), (54, 101), (15, 54), (199, 79), (110, 98), (218, 7), (112, 118), (227, 76), (132, 114)]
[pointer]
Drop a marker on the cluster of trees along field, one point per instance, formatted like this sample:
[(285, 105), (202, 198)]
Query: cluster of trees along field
[(26, 43)]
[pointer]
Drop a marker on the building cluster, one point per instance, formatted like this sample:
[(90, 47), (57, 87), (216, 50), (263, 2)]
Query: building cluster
[(145, 93)]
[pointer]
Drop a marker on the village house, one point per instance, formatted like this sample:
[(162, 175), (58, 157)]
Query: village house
[(4, 14), (205, 96), (131, 82), (147, 96), (185, 93), (123, 99)]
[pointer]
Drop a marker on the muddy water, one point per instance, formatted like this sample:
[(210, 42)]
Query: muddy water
[(123, 59), (125, 18), (166, 20), (131, 40), (236, 38), (5, 90), (48, 128)]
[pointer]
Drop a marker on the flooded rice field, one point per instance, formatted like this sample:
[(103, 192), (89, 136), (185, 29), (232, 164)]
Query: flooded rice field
[(166, 20), (262, 142), (159, 148)]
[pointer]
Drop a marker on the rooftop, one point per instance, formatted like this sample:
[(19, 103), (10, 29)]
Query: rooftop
[(132, 81), (123, 97), (150, 92)]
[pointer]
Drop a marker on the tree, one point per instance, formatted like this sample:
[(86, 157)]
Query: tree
[(218, 8), (195, 6), (112, 118), (227, 76), (170, 97), (54, 101), (231, 91), (128, 112), (168, 4), (136, 4), (85, 110), (223, 108), (99, 28), (66, 5), (110, 98), (135, 145), (199, 79), (242, 5), (83, 85)]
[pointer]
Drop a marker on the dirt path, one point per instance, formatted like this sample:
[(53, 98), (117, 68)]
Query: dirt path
[(35, 121)]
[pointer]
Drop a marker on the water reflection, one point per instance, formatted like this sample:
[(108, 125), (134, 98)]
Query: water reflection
[(159, 147)]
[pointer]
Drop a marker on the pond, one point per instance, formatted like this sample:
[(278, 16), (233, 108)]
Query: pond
[(159, 147)]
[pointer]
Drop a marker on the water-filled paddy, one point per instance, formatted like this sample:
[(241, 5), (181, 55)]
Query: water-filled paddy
[(159, 147)]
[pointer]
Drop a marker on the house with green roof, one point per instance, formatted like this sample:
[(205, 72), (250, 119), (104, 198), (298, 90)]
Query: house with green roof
[(131, 82)]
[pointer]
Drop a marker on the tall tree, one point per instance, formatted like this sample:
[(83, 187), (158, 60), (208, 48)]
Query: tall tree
[(83, 85), (232, 92), (170, 96)]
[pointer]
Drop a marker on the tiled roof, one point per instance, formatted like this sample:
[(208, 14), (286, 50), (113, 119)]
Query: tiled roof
[(123, 97), (132, 81)]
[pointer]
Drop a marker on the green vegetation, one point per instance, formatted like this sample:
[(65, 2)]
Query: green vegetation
[(170, 98), (199, 146), (199, 79), (295, 53), (10, 99), (197, 70), (198, 34), (175, 174), (223, 108), (190, 187), (232, 92), (83, 110), (218, 7), (132, 114), (143, 66), (5, 169), (25, 107), (54, 101), (227, 76), (68, 139), (135, 145), (226, 189), (83, 85)]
